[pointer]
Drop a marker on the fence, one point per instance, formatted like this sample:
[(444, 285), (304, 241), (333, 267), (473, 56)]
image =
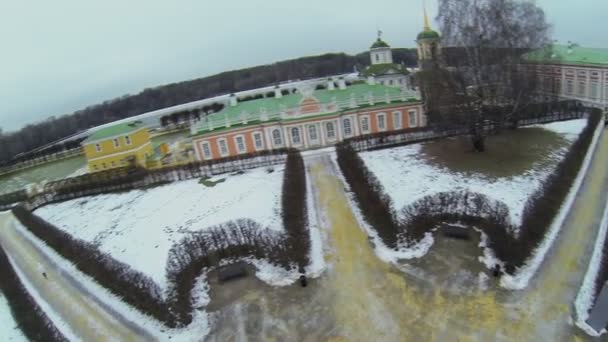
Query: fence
[(418, 135), (41, 160), (125, 179)]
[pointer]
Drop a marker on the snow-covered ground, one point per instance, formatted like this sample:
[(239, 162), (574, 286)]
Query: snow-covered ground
[(9, 331), (407, 177), (139, 227), (586, 296)]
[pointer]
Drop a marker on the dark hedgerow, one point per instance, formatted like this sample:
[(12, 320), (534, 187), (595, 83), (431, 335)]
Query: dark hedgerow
[(419, 218), (376, 206), (189, 257), (30, 318), (294, 212)]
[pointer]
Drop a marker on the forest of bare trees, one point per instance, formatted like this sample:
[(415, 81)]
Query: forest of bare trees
[(55, 128)]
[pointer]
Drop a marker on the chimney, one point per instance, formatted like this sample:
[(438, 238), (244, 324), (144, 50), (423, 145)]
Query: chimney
[(341, 83), (330, 84), (371, 80), (277, 92), (233, 100)]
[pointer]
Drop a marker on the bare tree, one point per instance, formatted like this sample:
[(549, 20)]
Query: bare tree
[(487, 82)]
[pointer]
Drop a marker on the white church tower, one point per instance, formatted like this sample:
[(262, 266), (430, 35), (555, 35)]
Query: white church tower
[(380, 51)]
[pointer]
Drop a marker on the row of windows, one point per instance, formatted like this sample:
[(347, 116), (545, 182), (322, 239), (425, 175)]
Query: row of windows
[(116, 142), (295, 133)]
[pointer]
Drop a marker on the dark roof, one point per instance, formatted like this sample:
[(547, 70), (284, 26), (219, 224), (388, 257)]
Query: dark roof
[(379, 43), (428, 34), (384, 69)]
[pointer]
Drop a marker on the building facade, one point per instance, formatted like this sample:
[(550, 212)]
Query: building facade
[(306, 120), (573, 72), (382, 70), (117, 146)]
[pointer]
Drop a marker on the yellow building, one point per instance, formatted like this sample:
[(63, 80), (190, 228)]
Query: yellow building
[(119, 145)]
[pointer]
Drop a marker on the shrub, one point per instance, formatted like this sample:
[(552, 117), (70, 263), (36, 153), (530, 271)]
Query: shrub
[(474, 209), (30, 318)]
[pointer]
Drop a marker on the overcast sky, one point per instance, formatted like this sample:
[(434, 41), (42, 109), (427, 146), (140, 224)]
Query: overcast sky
[(60, 56)]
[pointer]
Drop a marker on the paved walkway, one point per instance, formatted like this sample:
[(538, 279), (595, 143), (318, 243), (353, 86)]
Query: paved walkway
[(88, 319)]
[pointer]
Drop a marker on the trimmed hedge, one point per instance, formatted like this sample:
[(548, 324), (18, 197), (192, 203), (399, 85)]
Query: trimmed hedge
[(188, 258), (492, 217), (30, 318)]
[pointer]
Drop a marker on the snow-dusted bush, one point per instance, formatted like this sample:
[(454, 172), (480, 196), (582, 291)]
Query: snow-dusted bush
[(32, 321)]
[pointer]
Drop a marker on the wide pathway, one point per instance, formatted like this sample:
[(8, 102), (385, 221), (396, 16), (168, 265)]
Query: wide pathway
[(88, 319)]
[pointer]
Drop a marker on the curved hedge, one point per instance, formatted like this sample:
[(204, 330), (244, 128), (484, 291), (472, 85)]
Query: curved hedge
[(242, 238), (492, 217)]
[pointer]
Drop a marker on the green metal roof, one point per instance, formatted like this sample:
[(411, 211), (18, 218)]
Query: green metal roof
[(383, 69), (576, 55), (119, 129), (254, 108), (428, 34), (379, 43)]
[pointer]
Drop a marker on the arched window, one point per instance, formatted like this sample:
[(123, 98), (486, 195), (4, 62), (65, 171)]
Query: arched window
[(295, 135), (276, 137), (312, 132), (348, 130), (331, 132)]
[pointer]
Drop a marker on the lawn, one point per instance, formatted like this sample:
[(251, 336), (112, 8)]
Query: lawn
[(509, 171), (139, 227)]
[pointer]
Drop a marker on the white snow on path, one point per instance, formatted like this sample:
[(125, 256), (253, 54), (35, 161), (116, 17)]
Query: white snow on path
[(9, 331), (585, 298), (407, 177), (139, 227)]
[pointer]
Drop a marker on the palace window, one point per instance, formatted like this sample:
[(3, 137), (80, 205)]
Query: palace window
[(312, 132), (295, 135), (570, 87), (240, 144), (276, 138), (397, 120), (594, 90), (257, 140), (223, 147), (412, 118), (103, 165), (127, 140), (206, 150), (98, 147), (331, 130), (112, 164), (365, 124), (582, 89), (116, 142), (381, 121), (348, 129)]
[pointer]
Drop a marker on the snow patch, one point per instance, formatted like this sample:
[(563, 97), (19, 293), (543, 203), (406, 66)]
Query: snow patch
[(9, 330), (139, 227), (585, 297), (317, 261), (523, 275)]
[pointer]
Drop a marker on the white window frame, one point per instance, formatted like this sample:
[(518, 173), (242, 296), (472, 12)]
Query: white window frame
[(127, 140), (383, 116), (313, 128), (594, 90), (116, 142), (275, 137), (98, 147), (581, 90), (412, 114), (569, 87), (299, 135), (256, 135), (348, 133), (397, 118), (333, 130), (240, 150), (219, 147), (206, 155), (366, 119)]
